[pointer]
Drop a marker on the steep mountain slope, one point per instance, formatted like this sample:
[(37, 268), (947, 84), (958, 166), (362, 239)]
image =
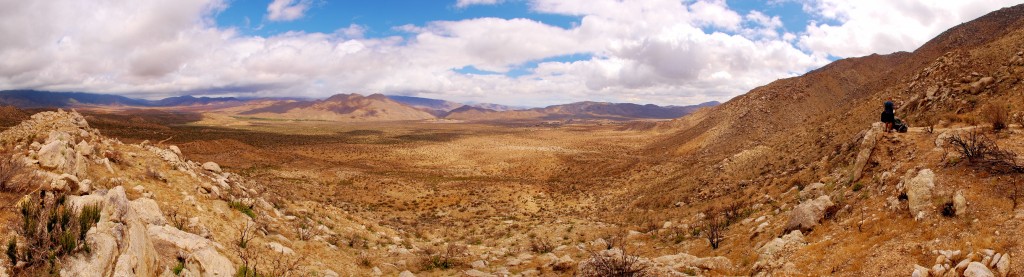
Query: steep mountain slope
[(812, 116), (468, 112), (436, 107), (581, 110), (759, 150), (342, 107)]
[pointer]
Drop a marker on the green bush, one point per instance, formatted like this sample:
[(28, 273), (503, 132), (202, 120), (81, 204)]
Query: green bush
[(52, 230), (242, 207)]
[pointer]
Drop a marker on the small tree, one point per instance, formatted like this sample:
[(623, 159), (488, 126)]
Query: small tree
[(714, 226), (245, 251)]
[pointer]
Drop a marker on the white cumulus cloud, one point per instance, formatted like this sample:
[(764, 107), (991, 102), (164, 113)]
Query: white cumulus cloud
[(287, 10), (864, 27), (654, 51), (467, 3)]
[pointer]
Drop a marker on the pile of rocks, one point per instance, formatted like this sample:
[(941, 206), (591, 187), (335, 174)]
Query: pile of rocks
[(131, 237), (985, 263), (773, 257)]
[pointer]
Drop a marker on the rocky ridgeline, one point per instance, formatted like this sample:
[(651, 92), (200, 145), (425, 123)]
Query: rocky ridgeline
[(132, 237), (939, 85), (953, 263)]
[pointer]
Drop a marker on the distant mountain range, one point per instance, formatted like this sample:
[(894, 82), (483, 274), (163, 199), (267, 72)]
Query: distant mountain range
[(47, 99), (441, 108), (351, 107), (342, 107)]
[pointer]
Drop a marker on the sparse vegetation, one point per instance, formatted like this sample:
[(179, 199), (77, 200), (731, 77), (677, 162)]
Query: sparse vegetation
[(178, 220), (51, 229), (12, 251), (948, 210), (245, 209), (306, 229), (12, 175), (365, 259), (114, 156), (616, 263), (541, 246), (448, 258), (981, 150), (714, 227), (178, 267), (928, 122), (155, 175), (997, 115)]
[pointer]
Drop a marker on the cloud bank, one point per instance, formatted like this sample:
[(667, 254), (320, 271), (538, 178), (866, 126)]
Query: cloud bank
[(679, 53)]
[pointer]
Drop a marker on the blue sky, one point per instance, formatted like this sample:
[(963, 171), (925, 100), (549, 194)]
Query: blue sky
[(513, 52), (380, 17)]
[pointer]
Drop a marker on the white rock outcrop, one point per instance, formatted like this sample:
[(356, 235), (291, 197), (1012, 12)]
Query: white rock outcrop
[(809, 213), (919, 193)]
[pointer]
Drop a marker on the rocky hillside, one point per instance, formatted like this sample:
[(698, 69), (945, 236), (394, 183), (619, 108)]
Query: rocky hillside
[(761, 151), (153, 212)]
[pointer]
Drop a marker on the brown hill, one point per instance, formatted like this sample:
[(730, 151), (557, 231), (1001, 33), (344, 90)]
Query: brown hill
[(811, 116), (341, 107), (579, 110), (10, 116), (760, 149)]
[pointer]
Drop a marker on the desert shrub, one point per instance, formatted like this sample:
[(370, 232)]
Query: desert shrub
[(983, 151), (735, 211), (51, 230), (154, 175), (280, 264), (243, 250), (448, 258), (541, 246), (832, 211), (12, 251), (615, 263), (13, 177), (114, 156), (928, 122), (714, 226), (357, 241), (972, 145), (243, 208), (306, 229), (948, 210), (997, 115), (365, 259), (257, 263), (178, 219), (178, 267)]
